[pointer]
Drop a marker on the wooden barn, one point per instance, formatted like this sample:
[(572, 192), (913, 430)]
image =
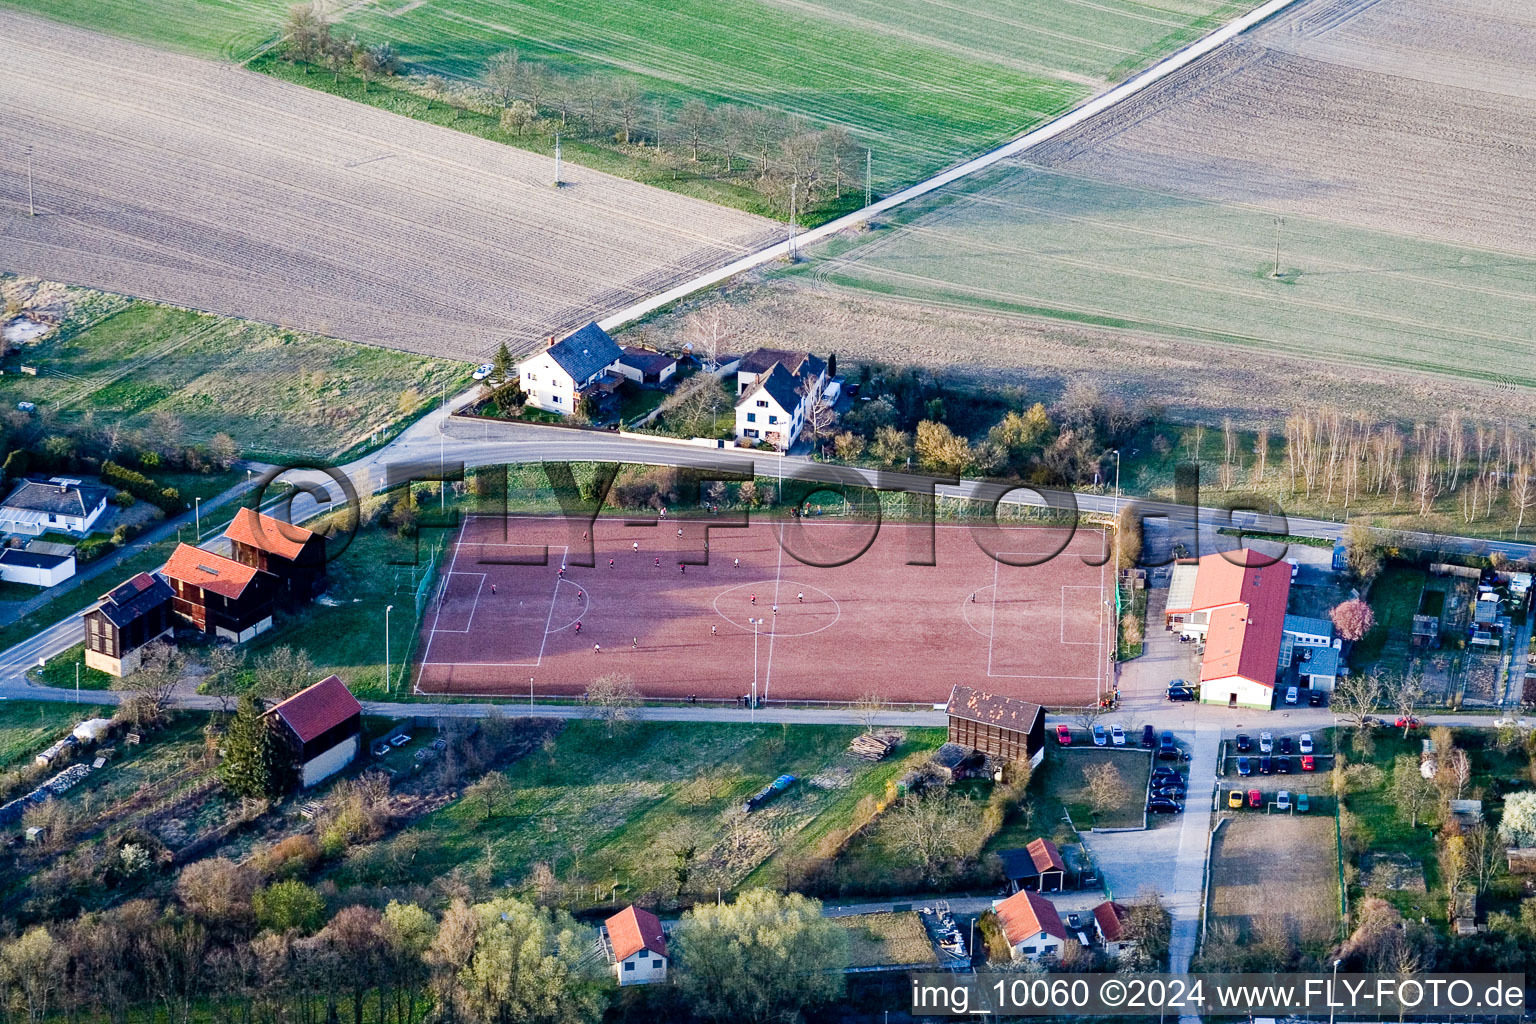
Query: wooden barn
[(119, 625), (220, 596), (1004, 729), (294, 555), (323, 726)]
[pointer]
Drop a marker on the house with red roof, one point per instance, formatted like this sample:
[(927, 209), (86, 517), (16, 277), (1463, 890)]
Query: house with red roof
[(1234, 601), (220, 596), (294, 555), (1031, 926), (1113, 922), (322, 725), (636, 945)]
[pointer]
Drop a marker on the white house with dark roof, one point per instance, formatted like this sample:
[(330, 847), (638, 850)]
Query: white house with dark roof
[(37, 568), (559, 376), (760, 361), (59, 505)]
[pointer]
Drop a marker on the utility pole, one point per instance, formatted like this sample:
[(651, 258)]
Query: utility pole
[(869, 161), (557, 160), (31, 210), (197, 516), (1279, 223), (442, 484), (387, 609), (794, 189)]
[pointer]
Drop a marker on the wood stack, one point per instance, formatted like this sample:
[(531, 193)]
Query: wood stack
[(874, 746)]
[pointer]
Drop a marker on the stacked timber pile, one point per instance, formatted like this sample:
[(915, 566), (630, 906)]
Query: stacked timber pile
[(874, 746)]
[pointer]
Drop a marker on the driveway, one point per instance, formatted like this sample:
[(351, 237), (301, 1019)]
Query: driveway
[(1144, 680)]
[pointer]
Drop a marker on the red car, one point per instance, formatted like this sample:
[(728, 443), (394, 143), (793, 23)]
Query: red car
[(1308, 763), (1063, 735), (1408, 723), (1255, 798)]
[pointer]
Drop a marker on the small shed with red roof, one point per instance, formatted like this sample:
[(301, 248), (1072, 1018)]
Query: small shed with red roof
[(1113, 921), (636, 946), (323, 725)]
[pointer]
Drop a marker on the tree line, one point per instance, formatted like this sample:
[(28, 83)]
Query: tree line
[(788, 160)]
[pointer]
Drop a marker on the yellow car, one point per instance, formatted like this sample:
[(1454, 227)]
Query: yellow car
[(1235, 799)]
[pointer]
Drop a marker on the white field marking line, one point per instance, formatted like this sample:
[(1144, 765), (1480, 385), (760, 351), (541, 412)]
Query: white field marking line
[(554, 595), (965, 602), (1104, 101), (777, 579), (469, 624), (992, 635), (836, 607), (1097, 626), (586, 606), (442, 590)]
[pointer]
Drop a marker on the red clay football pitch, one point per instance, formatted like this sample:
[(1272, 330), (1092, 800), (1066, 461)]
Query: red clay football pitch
[(681, 620)]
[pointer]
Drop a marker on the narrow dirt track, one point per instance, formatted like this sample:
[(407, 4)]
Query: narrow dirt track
[(208, 186)]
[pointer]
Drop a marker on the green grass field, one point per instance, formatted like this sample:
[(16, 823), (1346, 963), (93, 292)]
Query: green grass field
[(917, 81), (26, 727), (609, 811), (1044, 244), (277, 392)]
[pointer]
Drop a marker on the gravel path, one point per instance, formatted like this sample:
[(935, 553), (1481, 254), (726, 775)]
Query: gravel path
[(204, 185)]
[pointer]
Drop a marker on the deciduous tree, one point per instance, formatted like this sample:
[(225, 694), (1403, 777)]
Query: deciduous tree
[(1353, 618)]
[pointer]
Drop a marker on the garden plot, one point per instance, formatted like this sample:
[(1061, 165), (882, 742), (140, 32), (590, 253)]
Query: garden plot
[(1276, 871)]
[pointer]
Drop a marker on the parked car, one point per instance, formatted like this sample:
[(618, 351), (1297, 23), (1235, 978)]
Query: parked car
[(1408, 722), (1064, 735), (1117, 735), (1167, 749), (1255, 798), (1302, 806), (1282, 766), (1304, 742), (1235, 800), (1244, 744), (1292, 694), (1307, 764), (1164, 772), (1266, 765), (1244, 766), (1179, 691), (1283, 800), (1148, 737), (1159, 806), (1315, 698), (1285, 744), (1100, 737), (482, 371), (1266, 742)]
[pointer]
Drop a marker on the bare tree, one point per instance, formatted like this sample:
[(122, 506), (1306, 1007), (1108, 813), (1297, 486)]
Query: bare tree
[(616, 699), (535, 83), (695, 120), (307, 34), (502, 77), (1356, 698), (161, 667), (433, 87), (282, 672), (627, 104), (933, 828), (1411, 791), (374, 62), (707, 330), (1406, 694), (868, 707), (1522, 492), (1485, 852), (1106, 787)]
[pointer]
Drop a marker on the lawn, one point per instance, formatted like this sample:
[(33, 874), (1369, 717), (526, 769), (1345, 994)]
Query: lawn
[(880, 940), (1040, 243), (279, 393), (1394, 598), (1062, 786), (61, 671), (609, 813), (227, 29), (26, 727), (1273, 871)]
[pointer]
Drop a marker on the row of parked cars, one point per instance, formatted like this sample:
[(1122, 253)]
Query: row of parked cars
[(1168, 789), (1114, 735), (1274, 756), (1255, 800)]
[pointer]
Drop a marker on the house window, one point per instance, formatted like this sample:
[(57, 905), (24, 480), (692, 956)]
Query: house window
[(657, 964), (751, 417), (1029, 950), (629, 965), (750, 433), (557, 399), (532, 377), (762, 403), (773, 419)]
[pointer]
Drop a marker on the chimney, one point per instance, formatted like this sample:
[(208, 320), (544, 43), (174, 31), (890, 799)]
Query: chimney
[(549, 342)]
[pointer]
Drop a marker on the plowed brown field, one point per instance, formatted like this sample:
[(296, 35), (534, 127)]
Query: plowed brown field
[(203, 185)]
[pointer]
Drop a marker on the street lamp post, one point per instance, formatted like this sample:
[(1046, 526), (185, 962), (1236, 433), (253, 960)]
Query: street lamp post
[(387, 609), (755, 623), (197, 517), (1331, 988)]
